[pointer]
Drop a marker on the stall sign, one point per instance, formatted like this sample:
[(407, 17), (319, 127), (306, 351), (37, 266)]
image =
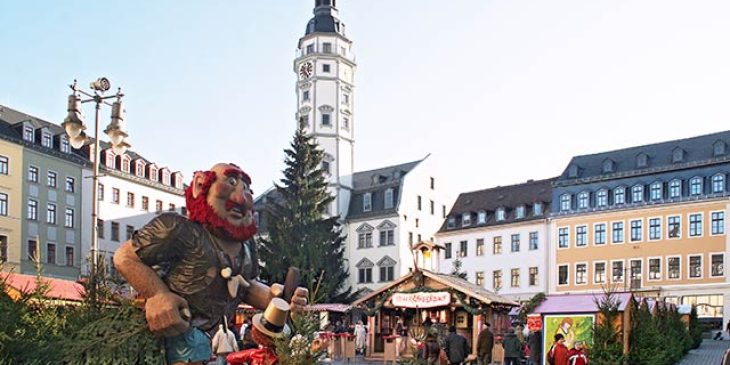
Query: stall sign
[(534, 322), (421, 300)]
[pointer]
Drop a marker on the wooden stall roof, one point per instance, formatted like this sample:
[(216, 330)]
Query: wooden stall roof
[(577, 303), (469, 289), (57, 288)]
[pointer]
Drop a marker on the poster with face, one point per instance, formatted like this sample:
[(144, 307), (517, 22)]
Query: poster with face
[(574, 327)]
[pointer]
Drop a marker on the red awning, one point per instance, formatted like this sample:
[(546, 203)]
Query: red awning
[(57, 288)]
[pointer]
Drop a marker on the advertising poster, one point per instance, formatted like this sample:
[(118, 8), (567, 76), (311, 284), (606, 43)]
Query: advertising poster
[(574, 327)]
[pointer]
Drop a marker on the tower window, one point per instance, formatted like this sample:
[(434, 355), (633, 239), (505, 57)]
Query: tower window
[(326, 119), (327, 47), (305, 95), (345, 123), (310, 48), (326, 68)]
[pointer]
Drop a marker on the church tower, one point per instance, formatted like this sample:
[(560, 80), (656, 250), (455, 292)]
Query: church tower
[(325, 69)]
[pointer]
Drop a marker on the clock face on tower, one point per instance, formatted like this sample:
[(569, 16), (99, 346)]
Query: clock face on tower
[(305, 70)]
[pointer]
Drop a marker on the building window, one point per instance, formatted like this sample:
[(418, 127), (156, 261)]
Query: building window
[(346, 98), (497, 279), (718, 222), (533, 276), (480, 278), (130, 200), (695, 186), (100, 192), (65, 147), (637, 194), (158, 206), (520, 212), (171, 207), (443, 211), (635, 273), (3, 204), (28, 134), (51, 253), (465, 218), (497, 245), (433, 208), (617, 271), (583, 200), (388, 198), (310, 48), (482, 217), (365, 240), (655, 228), (673, 268), (619, 195), (480, 246), (447, 250), (599, 272), (410, 238), (52, 179), (655, 191), (145, 204), (326, 68), (365, 275), (563, 237), (515, 278), (367, 202), (533, 241), (563, 275), (451, 222), (675, 189), (602, 198), (515, 243), (326, 119), (565, 202), (69, 220), (70, 184), (599, 234), (387, 273), (32, 209), (655, 269), (69, 256), (674, 226), (327, 47), (433, 183), (581, 273), (3, 165), (500, 214), (695, 225), (305, 95), (636, 230), (125, 164), (581, 235), (463, 248), (718, 183), (100, 228), (32, 250), (387, 238), (345, 123), (695, 266), (3, 248), (115, 195), (537, 208), (717, 261), (46, 140), (115, 231), (418, 202), (33, 174), (617, 231)]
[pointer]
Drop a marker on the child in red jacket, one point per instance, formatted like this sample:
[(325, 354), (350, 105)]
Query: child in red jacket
[(578, 355)]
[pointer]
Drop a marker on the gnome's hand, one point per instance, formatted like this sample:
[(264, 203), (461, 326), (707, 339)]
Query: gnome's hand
[(299, 299), (163, 312)]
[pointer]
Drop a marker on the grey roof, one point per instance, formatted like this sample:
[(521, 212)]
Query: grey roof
[(697, 151), (507, 197), (376, 182), (325, 20)]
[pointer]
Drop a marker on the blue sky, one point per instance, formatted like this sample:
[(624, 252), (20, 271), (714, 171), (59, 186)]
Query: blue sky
[(497, 91)]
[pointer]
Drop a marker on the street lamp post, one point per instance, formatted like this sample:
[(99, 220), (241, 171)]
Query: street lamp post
[(116, 130)]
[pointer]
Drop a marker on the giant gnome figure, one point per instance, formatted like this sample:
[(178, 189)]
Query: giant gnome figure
[(194, 271)]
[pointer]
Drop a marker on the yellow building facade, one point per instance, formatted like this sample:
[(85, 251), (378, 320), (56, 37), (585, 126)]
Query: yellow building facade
[(11, 203)]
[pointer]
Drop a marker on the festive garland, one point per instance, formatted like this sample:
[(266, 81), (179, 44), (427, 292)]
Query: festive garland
[(530, 306)]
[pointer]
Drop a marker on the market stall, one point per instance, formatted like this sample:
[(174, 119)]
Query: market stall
[(424, 302)]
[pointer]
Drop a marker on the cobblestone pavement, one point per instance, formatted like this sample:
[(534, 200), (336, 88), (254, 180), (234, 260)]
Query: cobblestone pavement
[(709, 353)]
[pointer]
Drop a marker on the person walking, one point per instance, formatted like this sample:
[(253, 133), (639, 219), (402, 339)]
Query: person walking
[(578, 355), (512, 348), (402, 332), (558, 352), (433, 351), (223, 343), (360, 338), (485, 344), (457, 349), (534, 342)]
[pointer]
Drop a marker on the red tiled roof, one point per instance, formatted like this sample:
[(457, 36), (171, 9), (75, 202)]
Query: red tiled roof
[(57, 288)]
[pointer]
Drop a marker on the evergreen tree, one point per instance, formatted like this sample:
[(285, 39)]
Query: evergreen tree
[(646, 340), (607, 345), (456, 269), (695, 329), (299, 233)]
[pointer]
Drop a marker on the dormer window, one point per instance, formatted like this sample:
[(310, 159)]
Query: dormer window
[(642, 160), (677, 155), (367, 202), (165, 176), (565, 202), (718, 183), (125, 163), (583, 200), (28, 133), (65, 146), (153, 174), (537, 209), (718, 148), (602, 198), (637, 193), (110, 160), (520, 212), (451, 222), (619, 195), (695, 186), (608, 166), (573, 171), (388, 198), (46, 140), (482, 217), (139, 168), (177, 180), (466, 219), (675, 188), (499, 215), (655, 191)]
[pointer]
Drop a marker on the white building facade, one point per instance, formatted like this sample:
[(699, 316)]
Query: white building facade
[(501, 236), (132, 191)]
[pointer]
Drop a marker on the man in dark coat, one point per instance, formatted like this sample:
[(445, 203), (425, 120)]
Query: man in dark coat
[(512, 349), (534, 341), (485, 343), (457, 349)]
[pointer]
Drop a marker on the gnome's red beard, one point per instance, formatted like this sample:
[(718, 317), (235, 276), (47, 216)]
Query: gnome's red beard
[(199, 211)]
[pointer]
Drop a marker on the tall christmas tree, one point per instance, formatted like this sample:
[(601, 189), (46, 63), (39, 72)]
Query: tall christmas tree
[(299, 232)]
